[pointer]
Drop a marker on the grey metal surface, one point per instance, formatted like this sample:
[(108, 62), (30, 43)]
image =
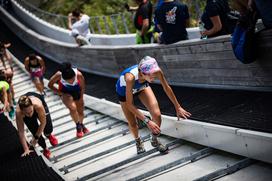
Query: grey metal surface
[(108, 151)]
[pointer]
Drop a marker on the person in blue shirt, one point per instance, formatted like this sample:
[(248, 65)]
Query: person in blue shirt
[(134, 81), (172, 19)]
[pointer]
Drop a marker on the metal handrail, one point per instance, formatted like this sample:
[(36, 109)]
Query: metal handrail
[(111, 24)]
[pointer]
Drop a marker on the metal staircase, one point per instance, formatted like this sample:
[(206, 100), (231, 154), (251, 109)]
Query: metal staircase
[(108, 152)]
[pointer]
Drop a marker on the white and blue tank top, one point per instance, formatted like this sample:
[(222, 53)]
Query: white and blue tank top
[(121, 83)]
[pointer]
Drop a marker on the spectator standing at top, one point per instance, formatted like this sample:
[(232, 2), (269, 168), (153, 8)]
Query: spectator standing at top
[(172, 18), (262, 6), (215, 18), (142, 21), (78, 23)]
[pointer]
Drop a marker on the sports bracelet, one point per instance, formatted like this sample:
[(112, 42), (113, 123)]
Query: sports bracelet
[(146, 120)]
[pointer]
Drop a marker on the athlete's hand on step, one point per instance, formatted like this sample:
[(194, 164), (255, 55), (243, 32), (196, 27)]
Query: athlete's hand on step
[(182, 113), (26, 153), (154, 128)]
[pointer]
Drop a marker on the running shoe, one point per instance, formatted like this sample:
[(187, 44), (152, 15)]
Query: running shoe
[(139, 146), (158, 145), (46, 153), (53, 140), (79, 130), (11, 112), (85, 130), (79, 134)]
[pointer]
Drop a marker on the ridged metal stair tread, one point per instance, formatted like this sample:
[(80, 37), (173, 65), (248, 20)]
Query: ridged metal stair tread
[(199, 168), (74, 144), (123, 156), (99, 151), (258, 171), (104, 125), (64, 121)]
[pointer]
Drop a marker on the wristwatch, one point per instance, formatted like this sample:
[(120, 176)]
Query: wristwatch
[(146, 120)]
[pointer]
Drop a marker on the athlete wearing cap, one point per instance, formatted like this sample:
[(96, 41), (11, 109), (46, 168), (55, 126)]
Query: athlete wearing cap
[(134, 81)]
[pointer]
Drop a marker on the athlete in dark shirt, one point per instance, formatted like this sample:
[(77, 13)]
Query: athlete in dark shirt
[(172, 18), (215, 18), (31, 108)]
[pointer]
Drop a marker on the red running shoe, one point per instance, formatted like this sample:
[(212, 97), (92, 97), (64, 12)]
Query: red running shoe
[(85, 130), (46, 153), (79, 133), (53, 140)]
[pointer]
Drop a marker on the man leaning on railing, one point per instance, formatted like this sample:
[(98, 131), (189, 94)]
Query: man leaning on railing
[(78, 23)]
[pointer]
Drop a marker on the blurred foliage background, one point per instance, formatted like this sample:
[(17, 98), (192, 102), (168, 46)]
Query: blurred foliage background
[(109, 7)]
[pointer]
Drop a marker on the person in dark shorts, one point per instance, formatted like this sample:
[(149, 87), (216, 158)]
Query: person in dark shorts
[(71, 87), (31, 107), (134, 81), (34, 64)]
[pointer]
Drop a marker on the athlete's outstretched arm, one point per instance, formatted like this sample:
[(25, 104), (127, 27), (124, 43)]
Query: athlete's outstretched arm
[(82, 82), (9, 58), (54, 79), (21, 131), (42, 118), (26, 63), (40, 59), (169, 92)]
